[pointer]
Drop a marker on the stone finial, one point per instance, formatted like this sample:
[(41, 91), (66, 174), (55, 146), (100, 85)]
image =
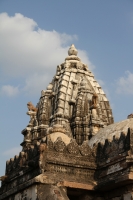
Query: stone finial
[(72, 50)]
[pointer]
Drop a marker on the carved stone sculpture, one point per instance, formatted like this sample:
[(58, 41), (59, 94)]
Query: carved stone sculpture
[(31, 107), (94, 101), (130, 116)]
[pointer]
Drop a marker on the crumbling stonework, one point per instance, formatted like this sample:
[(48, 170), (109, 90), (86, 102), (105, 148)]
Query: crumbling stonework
[(72, 149)]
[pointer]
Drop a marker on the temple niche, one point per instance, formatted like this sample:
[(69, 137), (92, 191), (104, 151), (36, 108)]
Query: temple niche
[(72, 149)]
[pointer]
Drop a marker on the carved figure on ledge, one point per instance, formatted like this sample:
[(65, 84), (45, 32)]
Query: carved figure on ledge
[(94, 101), (32, 113), (93, 105), (31, 107), (23, 158), (130, 116), (3, 178)]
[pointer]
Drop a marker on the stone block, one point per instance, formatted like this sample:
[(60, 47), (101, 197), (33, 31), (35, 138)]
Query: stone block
[(104, 98), (69, 91), (102, 104), (96, 90), (74, 70), (101, 91), (65, 77), (74, 81), (73, 75), (63, 89), (62, 71), (57, 78), (97, 84), (60, 110), (67, 73), (62, 96), (90, 78), (80, 71), (68, 97), (61, 103), (128, 196), (92, 82), (64, 83)]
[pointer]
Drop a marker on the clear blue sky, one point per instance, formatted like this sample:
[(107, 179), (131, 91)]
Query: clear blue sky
[(34, 39)]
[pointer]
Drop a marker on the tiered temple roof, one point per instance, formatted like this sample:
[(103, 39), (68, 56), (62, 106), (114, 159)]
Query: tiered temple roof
[(73, 102)]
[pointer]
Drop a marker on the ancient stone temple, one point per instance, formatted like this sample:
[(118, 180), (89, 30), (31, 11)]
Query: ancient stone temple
[(72, 149)]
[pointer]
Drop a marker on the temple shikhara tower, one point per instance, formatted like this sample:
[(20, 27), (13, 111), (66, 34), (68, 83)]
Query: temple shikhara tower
[(72, 149)]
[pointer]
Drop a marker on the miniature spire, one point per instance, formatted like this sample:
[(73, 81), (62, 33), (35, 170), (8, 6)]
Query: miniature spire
[(72, 50)]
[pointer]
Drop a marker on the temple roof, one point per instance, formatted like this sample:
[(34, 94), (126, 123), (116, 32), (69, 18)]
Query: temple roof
[(111, 131)]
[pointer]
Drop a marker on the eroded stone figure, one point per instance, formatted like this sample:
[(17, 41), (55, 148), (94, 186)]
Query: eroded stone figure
[(31, 107), (94, 101)]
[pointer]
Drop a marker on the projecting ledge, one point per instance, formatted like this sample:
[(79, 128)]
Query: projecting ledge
[(77, 185), (113, 183)]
